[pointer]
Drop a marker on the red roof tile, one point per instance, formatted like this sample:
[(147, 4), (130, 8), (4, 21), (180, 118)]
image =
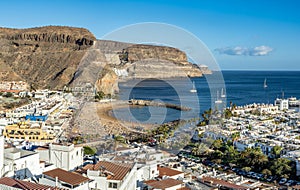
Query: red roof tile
[(66, 176), (164, 171), (223, 183), (25, 185), (184, 188), (12, 91), (119, 170), (163, 184)]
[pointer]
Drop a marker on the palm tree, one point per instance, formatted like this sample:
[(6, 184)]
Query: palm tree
[(276, 151), (231, 154), (200, 149), (266, 172), (253, 157), (235, 137), (217, 144), (281, 167)]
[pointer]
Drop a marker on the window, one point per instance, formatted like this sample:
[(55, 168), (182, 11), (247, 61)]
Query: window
[(113, 185)]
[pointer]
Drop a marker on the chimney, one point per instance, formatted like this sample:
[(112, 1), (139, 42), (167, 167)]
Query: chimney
[(56, 181)]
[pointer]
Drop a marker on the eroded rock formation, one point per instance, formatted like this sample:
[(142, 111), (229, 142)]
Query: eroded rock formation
[(55, 56)]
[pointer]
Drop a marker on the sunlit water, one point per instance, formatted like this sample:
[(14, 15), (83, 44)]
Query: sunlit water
[(242, 87)]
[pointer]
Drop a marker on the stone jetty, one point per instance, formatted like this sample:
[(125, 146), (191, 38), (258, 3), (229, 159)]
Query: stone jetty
[(158, 104)]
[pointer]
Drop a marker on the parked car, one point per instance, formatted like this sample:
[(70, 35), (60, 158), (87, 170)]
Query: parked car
[(225, 168), (249, 174), (242, 172), (254, 175), (270, 178), (290, 182), (282, 181), (260, 176)]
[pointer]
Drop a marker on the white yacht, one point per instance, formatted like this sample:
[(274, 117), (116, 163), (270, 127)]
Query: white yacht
[(193, 90), (223, 95), (218, 101), (265, 83)]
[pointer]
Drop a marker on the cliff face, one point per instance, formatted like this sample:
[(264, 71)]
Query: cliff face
[(107, 81), (53, 56), (143, 52), (44, 56), (148, 61)]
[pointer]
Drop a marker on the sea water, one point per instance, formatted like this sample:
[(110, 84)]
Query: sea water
[(240, 88)]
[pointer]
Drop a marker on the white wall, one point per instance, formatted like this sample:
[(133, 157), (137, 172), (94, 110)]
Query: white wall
[(145, 172), (128, 183), (23, 167), (66, 157), (1, 154), (50, 182)]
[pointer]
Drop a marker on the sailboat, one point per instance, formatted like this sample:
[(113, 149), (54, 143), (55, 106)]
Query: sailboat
[(265, 83), (193, 90), (218, 101), (223, 95)]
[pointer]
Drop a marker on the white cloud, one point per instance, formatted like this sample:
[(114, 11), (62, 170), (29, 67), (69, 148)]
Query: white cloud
[(255, 51)]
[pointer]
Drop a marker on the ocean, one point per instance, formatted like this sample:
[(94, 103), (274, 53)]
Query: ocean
[(238, 87)]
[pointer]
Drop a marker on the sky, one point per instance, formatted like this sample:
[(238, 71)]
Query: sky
[(241, 34)]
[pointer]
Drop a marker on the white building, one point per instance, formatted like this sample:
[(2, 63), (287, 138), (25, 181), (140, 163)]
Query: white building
[(65, 156), (41, 94), (22, 164), (64, 179), (147, 171), (283, 104), (112, 175), (1, 154)]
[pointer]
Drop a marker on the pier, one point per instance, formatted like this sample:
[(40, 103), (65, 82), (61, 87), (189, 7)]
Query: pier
[(158, 104)]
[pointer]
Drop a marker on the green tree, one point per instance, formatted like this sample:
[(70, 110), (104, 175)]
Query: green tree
[(217, 144), (235, 137), (281, 167), (89, 150), (227, 113), (206, 115), (253, 157), (99, 95), (8, 94), (247, 169), (266, 172), (276, 151), (231, 155), (200, 149), (217, 154)]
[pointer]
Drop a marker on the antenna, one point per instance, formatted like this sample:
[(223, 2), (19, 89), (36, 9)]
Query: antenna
[(282, 93)]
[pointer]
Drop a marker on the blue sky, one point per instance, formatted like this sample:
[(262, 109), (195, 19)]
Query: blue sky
[(242, 34)]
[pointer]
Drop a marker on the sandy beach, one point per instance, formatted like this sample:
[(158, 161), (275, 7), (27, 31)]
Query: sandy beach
[(112, 125), (96, 118)]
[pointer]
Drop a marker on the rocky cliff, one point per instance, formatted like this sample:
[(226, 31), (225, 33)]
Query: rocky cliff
[(56, 56), (148, 61), (143, 52), (43, 56)]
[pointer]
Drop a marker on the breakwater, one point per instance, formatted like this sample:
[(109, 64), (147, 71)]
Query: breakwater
[(158, 104)]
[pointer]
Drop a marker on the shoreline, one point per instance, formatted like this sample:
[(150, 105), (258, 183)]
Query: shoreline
[(113, 125)]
